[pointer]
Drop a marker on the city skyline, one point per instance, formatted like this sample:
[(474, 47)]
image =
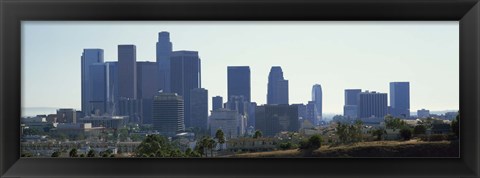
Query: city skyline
[(332, 103)]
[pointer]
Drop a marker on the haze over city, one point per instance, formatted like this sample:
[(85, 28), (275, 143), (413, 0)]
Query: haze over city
[(336, 55)]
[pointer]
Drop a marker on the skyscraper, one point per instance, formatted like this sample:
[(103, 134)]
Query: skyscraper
[(98, 89), (147, 87), (277, 87), (400, 99), (89, 56), (239, 82), (350, 109), (317, 99), (302, 110), (310, 112), (372, 104), (185, 76), (127, 75), (112, 88), (217, 102), (164, 50), (167, 116), (273, 119), (199, 108)]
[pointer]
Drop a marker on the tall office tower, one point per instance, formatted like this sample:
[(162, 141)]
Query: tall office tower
[(130, 108), (217, 102), (168, 114), (89, 56), (277, 87), (185, 75), (230, 122), (98, 89), (372, 104), (350, 109), (199, 108), (317, 98), (164, 50), (273, 119), (310, 112), (239, 82), (147, 87), (127, 75), (67, 115), (400, 99), (302, 110), (112, 88)]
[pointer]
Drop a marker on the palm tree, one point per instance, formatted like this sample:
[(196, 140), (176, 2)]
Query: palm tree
[(220, 137), (211, 144), (257, 134)]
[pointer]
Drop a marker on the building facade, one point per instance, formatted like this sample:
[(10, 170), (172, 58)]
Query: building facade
[(277, 87), (372, 105), (230, 122), (350, 108), (127, 64), (217, 102), (273, 119), (167, 114), (317, 99), (185, 76), (199, 108), (400, 99), (164, 51), (239, 82), (89, 57)]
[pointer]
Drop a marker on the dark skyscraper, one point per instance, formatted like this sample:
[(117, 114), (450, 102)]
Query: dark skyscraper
[(199, 108), (273, 119), (317, 99), (127, 75), (167, 114), (147, 87), (277, 87), (98, 89), (350, 109), (239, 82), (310, 112), (164, 50), (400, 99), (372, 104), (185, 76), (217, 102), (89, 56)]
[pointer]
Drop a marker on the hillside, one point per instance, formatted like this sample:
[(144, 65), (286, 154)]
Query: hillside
[(412, 148)]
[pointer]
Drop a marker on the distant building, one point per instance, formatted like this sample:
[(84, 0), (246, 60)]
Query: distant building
[(302, 110), (185, 75), (251, 114), (372, 105), (238, 103), (310, 111), (277, 87), (451, 115), (127, 64), (423, 113), (110, 122), (273, 119), (350, 108), (230, 122), (317, 99), (112, 88), (89, 57), (239, 82), (147, 87), (400, 99), (98, 89), (66, 116), (131, 108), (199, 108), (168, 115), (76, 129), (217, 102), (164, 51)]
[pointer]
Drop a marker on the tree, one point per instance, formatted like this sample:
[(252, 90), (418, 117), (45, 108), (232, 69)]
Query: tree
[(211, 144), (155, 145), (379, 133), (73, 153), (394, 123), (406, 133), (91, 153), (419, 129), (257, 134), (56, 154), (313, 143), (286, 145), (82, 155), (220, 137), (456, 124)]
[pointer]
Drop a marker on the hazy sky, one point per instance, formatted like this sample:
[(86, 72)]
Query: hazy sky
[(336, 55)]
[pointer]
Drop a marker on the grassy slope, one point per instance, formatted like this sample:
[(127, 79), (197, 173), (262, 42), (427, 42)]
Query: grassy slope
[(411, 148)]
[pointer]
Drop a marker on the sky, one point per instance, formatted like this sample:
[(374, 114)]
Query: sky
[(336, 55)]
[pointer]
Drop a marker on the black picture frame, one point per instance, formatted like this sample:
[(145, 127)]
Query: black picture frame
[(12, 12)]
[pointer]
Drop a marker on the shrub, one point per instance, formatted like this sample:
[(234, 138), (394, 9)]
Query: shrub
[(406, 133), (313, 143)]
